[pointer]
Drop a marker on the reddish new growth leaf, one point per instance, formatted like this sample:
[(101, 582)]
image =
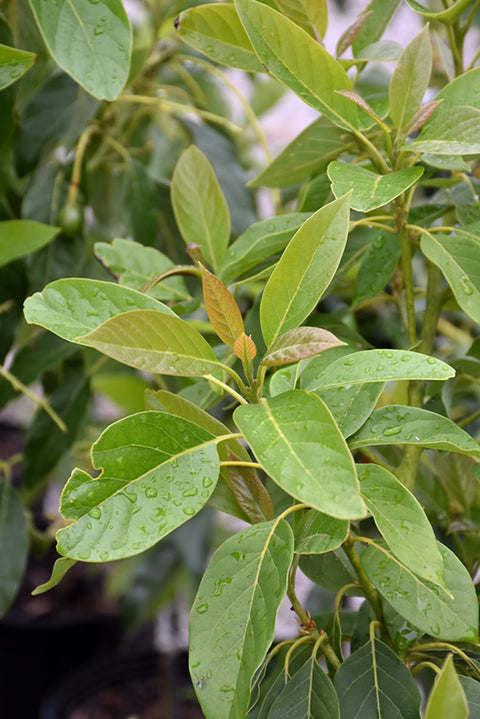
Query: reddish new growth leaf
[(222, 310), (351, 33), (245, 348), (298, 344), (421, 117)]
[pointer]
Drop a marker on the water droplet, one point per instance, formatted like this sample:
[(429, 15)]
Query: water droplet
[(207, 482), (151, 492), (349, 362), (220, 584), (98, 30), (132, 497), (95, 513), (202, 608), (189, 511), (431, 360), (465, 285), (389, 431)]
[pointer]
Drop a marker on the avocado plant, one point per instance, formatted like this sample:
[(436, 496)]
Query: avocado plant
[(320, 382)]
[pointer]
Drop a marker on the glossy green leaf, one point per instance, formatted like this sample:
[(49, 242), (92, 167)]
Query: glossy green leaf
[(292, 56), (309, 694), (305, 270), (458, 256), (410, 78), (216, 31), (456, 133), (91, 41), (424, 604), (351, 405), (21, 237), (232, 622), (200, 207), (13, 64), (140, 200), (72, 307), (60, 568), (401, 521), (369, 189), (260, 241), (471, 687), (308, 154), (299, 343), (14, 544), (136, 266), (403, 633), (381, 13), (158, 471), (447, 699), (296, 440), (374, 682), (380, 51), (450, 14), (318, 533), (331, 570), (379, 366), (155, 342), (377, 267), (398, 424)]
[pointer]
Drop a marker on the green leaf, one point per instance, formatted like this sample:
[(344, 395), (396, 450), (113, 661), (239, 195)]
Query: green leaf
[(379, 366), (381, 13), (299, 445), (410, 79), (299, 343), (458, 256), (135, 266), (374, 682), (331, 570), (456, 133), (308, 154), (158, 471), (140, 199), (309, 694), (216, 31), (351, 405), (13, 64), (155, 342), (72, 307), (199, 205), (398, 424), (259, 242), (318, 533), (91, 41), (471, 687), (422, 603), (305, 270), (14, 544), (403, 633), (378, 265), (401, 521), (60, 568), (232, 622), (447, 699), (21, 237), (449, 15), (293, 57), (370, 190), (380, 51)]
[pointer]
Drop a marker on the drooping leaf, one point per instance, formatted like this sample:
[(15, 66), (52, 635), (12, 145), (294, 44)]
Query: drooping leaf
[(374, 682), (200, 207), (379, 366), (292, 56), (21, 237), (458, 256), (447, 699), (305, 270), (309, 694), (369, 189), (91, 41), (410, 79), (424, 604), (13, 64), (298, 344), (401, 521), (158, 471), (450, 14), (232, 622), (155, 342), (297, 442), (318, 533), (60, 568), (222, 310), (72, 307), (14, 544), (398, 424), (216, 31)]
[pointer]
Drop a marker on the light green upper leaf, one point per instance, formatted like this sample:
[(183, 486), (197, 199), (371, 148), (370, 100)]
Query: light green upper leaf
[(295, 58), (401, 521), (13, 64), (305, 270), (199, 205), (72, 307), (232, 622), (369, 189), (154, 342), (216, 31), (20, 237), (90, 40), (351, 405), (450, 14), (447, 699), (381, 13), (410, 78), (426, 605), (296, 440), (318, 533), (379, 366), (158, 471), (455, 133), (374, 682), (14, 544), (398, 424), (458, 256), (309, 694)]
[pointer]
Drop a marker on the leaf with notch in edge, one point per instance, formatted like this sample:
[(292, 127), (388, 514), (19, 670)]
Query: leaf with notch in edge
[(222, 310), (157, 472)]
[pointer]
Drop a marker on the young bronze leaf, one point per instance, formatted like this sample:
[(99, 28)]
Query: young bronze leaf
[(421, 117), (245, 348), (222, 310), (351, 33), (298, 344), (249, 491)]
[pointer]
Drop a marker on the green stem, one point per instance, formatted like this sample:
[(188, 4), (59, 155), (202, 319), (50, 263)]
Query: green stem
[(406, 261), (367, 586), (38, 401), (227, 388)]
